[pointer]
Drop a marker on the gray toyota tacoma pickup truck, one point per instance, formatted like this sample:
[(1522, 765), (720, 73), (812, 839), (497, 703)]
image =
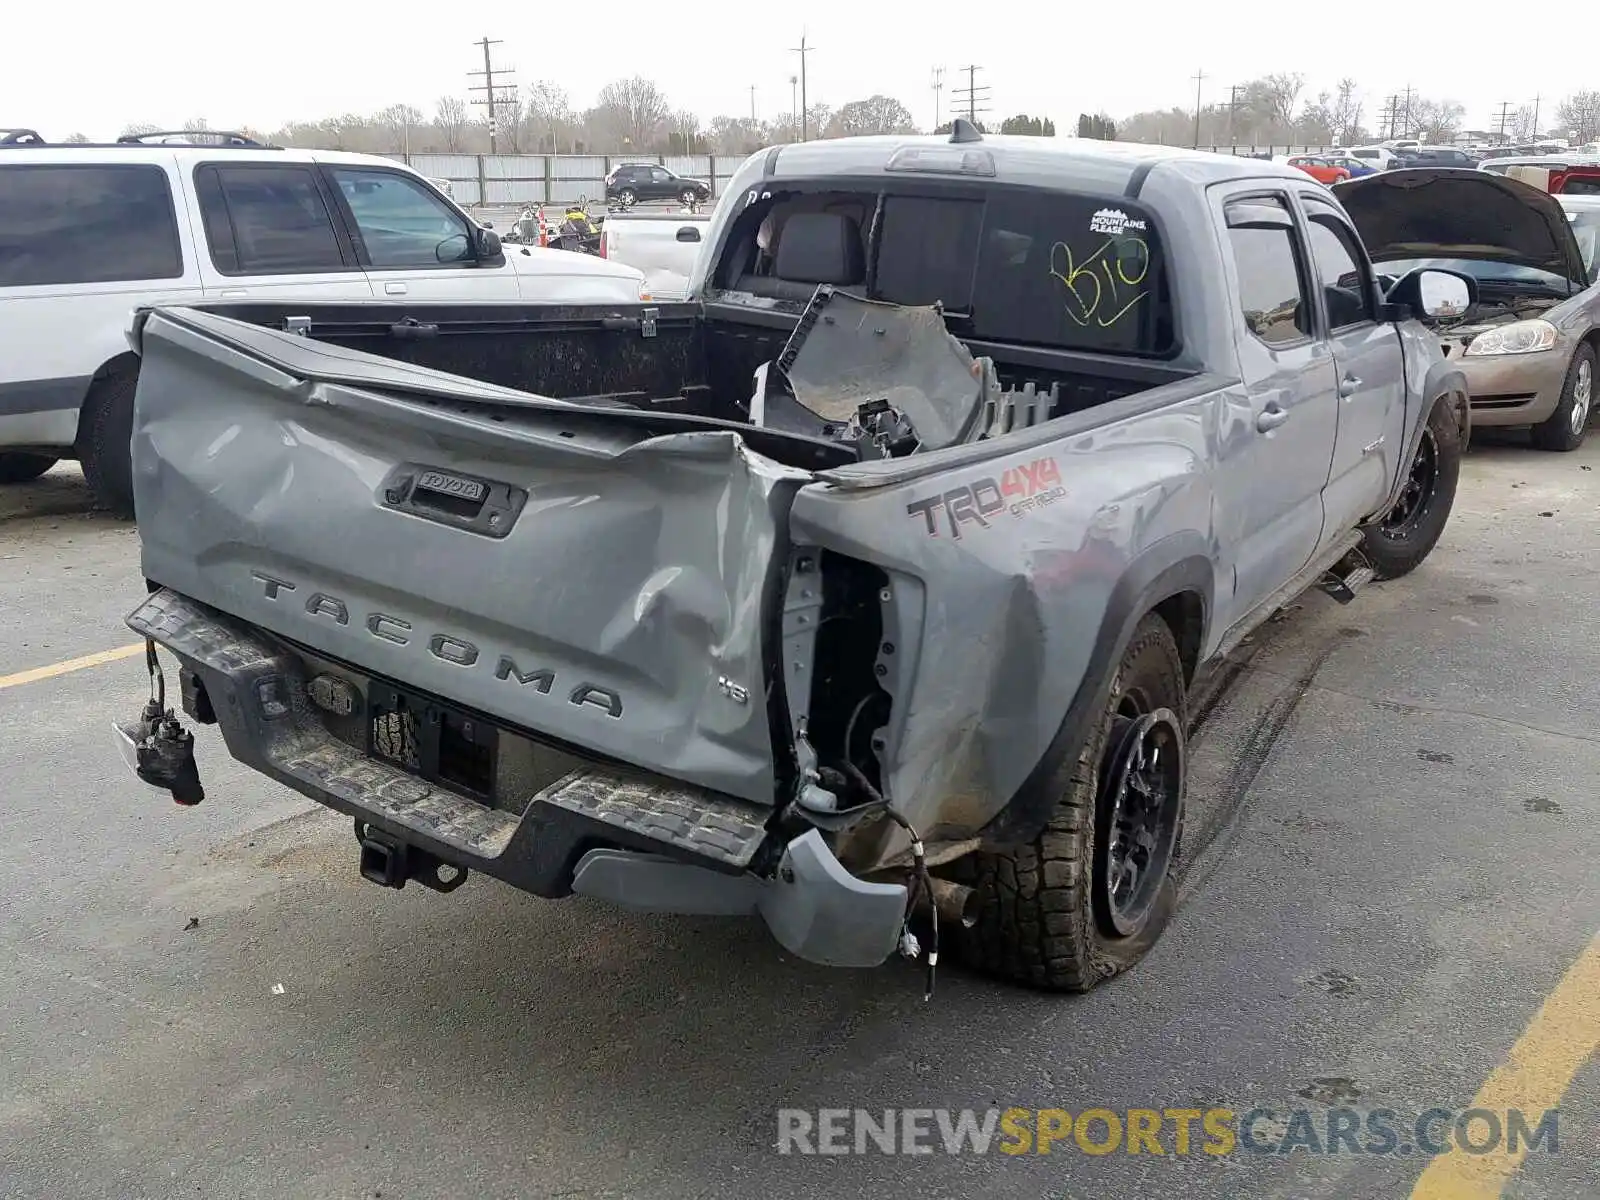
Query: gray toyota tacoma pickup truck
[(862, 591)]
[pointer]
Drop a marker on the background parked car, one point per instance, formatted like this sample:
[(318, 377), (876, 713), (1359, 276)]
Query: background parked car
[(632, 182), (1356, 166), (1435, 156), (1319, 168), (1380, 158), (1530, 343)]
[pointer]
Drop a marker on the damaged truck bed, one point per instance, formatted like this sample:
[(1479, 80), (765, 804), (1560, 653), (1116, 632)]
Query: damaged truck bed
[(791, 603)]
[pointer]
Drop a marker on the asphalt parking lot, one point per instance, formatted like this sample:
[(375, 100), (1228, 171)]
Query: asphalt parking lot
[(1392, 901)]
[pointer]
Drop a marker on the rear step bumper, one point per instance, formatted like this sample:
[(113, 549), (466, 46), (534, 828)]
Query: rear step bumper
[(638, 840)]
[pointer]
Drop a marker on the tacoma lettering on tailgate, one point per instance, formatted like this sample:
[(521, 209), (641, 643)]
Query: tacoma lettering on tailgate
[(446, 647), (1017, 491)]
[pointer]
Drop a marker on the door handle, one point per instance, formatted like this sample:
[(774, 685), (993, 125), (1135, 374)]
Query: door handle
[(1349, 385), (1271, 417), (394, 289)]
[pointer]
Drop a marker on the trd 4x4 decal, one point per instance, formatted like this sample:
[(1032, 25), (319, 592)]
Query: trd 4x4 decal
[(1018, 490)]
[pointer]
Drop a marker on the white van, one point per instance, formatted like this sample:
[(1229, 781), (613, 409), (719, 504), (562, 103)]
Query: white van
[(88, 234)]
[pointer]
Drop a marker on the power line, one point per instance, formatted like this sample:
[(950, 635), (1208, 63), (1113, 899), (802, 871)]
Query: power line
[(976, 94), (492, 95)]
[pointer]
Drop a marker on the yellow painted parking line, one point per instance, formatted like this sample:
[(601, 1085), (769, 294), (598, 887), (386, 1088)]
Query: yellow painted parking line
[(70, 665), (1552, 1049)]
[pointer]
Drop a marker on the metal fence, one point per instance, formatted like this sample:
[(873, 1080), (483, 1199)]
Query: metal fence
[(490, 180), (498, 180)]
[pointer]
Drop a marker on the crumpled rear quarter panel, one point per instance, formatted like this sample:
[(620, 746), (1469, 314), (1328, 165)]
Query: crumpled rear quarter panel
[(999, 619)]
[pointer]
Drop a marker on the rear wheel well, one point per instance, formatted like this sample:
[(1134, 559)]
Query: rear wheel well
[(126, 363), (1185, 615)]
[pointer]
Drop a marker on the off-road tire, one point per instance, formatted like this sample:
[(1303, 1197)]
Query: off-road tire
[(16, 467), (1557, 431), (1036, 916), (1396, 546), (105, 440)]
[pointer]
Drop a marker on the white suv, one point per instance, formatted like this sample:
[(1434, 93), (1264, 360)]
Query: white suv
[(88, 234)]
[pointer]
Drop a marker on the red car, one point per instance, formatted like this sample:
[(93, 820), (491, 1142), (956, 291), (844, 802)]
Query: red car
[(1320, 169)]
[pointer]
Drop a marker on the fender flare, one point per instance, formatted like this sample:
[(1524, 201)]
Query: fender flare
[(1445, 383), (1170, 567)]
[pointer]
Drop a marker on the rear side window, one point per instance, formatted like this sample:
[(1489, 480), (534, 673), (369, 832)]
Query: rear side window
[(1268, 262), (86, 224), (267, 220)]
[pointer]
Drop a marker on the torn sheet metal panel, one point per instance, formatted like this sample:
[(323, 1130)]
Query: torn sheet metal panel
[(847, 351)]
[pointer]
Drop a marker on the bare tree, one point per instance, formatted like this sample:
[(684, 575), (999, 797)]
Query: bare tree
[(736, 135), (138, 128), (1275, 96), (550, 114), (631, 112), (511, 122), (77, 139), (196, 125), (1345, 113), (1579, 114), (450, 117), (875, 114), (683, 132), (1521, 125), (1436, 120), (397, 121)]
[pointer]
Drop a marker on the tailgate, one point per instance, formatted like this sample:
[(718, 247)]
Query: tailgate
[(592, 576)]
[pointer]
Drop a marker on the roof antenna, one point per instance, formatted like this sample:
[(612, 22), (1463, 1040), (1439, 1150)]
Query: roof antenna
[(963, 130)]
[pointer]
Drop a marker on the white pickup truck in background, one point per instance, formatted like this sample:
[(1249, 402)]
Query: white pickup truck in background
[(663, 245)]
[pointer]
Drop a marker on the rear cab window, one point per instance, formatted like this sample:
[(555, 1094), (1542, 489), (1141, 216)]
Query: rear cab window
[(87, 223), (1028, 267)]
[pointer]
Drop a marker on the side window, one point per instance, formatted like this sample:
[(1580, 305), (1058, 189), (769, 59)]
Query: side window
[(86, 224), (1267, 260), (267, 220), (1346, 289), (401, 222), (659, 175)]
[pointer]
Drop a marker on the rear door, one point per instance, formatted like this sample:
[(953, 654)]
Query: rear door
[(82, 244), (270, 230), (411, 241), (1367, 360), (1270, 504)]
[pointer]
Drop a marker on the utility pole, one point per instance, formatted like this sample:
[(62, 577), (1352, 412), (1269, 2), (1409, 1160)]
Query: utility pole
[(1407, 130), (938, 86), (1233, 111), (1391, 109), (1535, 131), (976, 95), (1199, 76), (491, 97), (802, 50), (794, 104), (752, 104), (1505, 113)]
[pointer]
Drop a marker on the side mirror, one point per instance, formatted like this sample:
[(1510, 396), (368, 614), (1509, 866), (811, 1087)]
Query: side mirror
[(1431, 294), (1442, 294), (453, 249), (488, 245)]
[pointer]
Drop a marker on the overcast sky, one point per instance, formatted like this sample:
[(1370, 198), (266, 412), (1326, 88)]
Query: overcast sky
[(248, 64)]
